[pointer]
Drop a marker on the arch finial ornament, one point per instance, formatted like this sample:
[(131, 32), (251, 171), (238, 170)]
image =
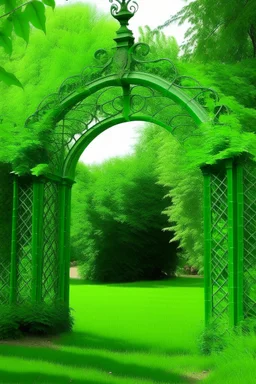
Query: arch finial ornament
[(119, 7), (123, 11)]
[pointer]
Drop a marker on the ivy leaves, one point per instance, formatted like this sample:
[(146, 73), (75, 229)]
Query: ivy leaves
[(17, 19)]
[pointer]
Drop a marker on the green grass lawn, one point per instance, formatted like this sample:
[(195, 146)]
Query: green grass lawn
[(128, 334)]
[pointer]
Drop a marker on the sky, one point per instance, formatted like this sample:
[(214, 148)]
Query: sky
[(119, 140)]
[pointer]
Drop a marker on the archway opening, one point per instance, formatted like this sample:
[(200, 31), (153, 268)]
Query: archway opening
[(111, 222)]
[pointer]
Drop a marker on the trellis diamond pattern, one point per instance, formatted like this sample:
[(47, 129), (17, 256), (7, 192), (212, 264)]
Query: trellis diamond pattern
[(5, 247), (24, 240), (249, 240), (50, 276), (4, 282), (219, 273)]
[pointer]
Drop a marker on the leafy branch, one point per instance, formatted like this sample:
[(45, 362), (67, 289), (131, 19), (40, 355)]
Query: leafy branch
[(18, 21), (15, 9)]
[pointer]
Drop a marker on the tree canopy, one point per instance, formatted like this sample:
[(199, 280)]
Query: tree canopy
[(219, 30), (74, 33), (118, 221)]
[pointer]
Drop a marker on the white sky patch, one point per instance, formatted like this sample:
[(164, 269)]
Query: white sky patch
[(118, 140), (115, 141)]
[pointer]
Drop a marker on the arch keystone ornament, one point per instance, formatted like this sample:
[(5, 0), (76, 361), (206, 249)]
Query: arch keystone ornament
[(123, 86)]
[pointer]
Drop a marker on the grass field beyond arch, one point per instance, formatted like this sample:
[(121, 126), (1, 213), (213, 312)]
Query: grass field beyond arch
[(137, 333)]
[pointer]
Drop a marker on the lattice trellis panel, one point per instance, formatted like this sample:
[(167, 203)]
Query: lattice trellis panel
[(6, 192), (249, 239), (219, 270), (24, 242), (50, 274)]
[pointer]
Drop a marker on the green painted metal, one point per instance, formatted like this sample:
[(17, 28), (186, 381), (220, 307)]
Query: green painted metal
[(41, 234), (40, 239), (69, 166), (13, 276), (207, 246), (61, 241), (123, 12), (249, 237), (157, 83), (219, 243), (37, 240), (240, 242), (232, 279), (67, 243), (24, 239), (76, 151)]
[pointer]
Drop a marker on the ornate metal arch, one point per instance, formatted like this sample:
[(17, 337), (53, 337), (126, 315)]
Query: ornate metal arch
[(124, 86), (128, 86)]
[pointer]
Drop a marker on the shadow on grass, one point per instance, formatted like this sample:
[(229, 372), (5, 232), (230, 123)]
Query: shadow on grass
[(181, 282), (38, 378), (85, 359), (89, 340)]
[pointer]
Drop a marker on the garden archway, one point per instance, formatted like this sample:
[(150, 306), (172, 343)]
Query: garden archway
[(125, 86)]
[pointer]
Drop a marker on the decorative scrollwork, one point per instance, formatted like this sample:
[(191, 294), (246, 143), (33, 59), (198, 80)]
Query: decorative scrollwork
[(145, 103), (133, 6), (102, 56), (140, 50), (123, 5), (103, 105), (155, 107)]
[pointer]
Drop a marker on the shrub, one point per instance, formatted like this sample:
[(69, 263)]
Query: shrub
[(117, 232), (34, 319), (218, 336), (214, 338)]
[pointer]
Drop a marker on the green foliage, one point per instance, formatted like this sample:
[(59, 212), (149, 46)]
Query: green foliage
[(8, 78), (16, 19), (184, 185), (179, 165), (117, 223), (246, 327), (214, 338), (34, 319), (179, 170), (40, 169), (160, 44), (218, 337), (74, 33), (35, 13), (219, 31), (137, 331)]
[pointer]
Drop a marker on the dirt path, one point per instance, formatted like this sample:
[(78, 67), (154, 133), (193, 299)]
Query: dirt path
[(73, 273)]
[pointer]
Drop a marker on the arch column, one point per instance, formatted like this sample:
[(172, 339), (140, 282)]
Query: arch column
[(207, 245), (40, 254), (13, 269), (64, 237), (37, 239), (225, 243), (220, 243)]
